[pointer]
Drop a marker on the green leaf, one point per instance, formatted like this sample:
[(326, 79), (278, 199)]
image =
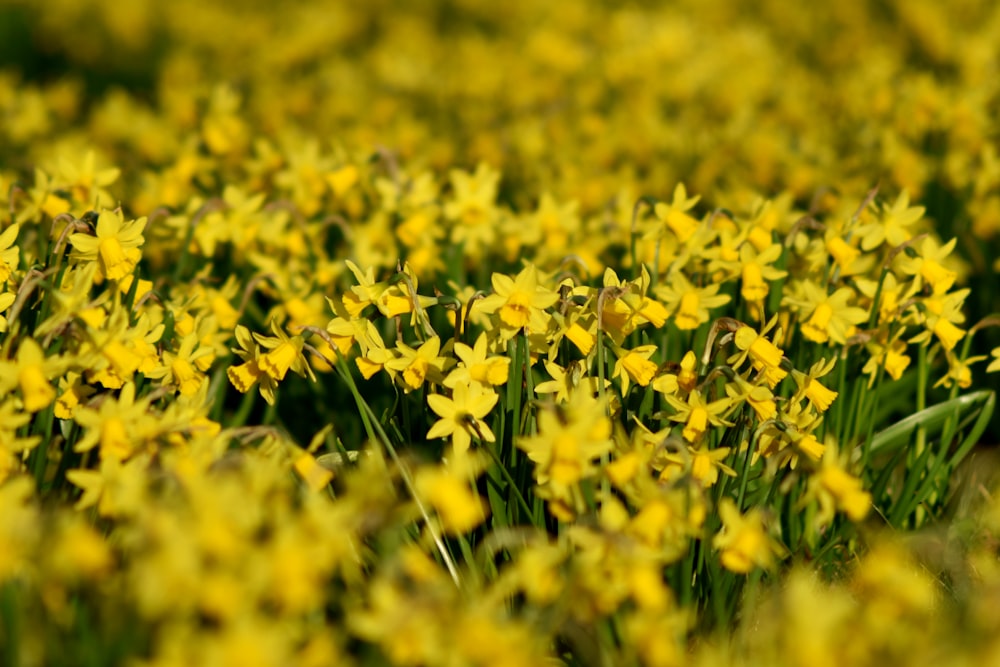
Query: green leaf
[(934, 419)]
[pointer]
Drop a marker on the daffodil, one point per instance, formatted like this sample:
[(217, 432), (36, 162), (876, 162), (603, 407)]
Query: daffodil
[(7, 299), (85, 182), (578, 325), (890, 357), (13, 445), (72, 392), (120, 348), (182, 366), (697, 415), (675, 215), (835, 488), (284, 353), (689, 304), (625, 305), (415, 366), (702, 463), (757, 271), (812, 389), (759, 397), (827, 317), (928, 267), (519, 302), (743, 541), (446, 488), (569, 440), (892, 224), (635, 366), (765, 356), (115, 245), (893, 295), (565, 381), (943, 313), (115, 488), (462, 415), (477, 365), (9, 253), (120, 426), (31, 371), (994, 364), (246, 375), (846, 258), (959, 371), (472, 207)]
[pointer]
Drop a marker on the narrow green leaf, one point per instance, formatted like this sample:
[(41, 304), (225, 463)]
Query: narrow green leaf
[(933, 417)]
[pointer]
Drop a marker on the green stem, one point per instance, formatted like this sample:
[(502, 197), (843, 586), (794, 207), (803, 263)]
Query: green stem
[(510, 480), (378, 434), (922, 373)]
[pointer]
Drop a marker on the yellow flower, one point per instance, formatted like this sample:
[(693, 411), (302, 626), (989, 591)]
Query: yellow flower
[(994, 365), (844, 254), (284, 353), (417, 365), (12, 447), (674, 215), (461, 415), (810, 446), (765, 356), (743, 540), (891, 357), (447, 490), (835, 488), (315, 475), (115, 245), (566, 380), (812, 389), (818, 394), (892, 223), (626, 305), (9, 253), (121, 426), (635, 365), (79, 551), (947, 333), (472, 206), (30, 371), (278, 360), (7, 299), (476, 366), (73, 391), (697, 415), (892, 296), (847, 490), (928, 265), (759, 397), (757, 270), (568, 440), (578, 325), (690, 305), (519, 302), (829, 316), (116, 488), (244, 376), (701, 463), (182, 366)]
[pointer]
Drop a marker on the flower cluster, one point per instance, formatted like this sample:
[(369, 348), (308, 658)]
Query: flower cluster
[(333, 342)]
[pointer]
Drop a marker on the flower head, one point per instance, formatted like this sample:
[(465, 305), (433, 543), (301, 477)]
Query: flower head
[(461, 415), (114, 245)]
